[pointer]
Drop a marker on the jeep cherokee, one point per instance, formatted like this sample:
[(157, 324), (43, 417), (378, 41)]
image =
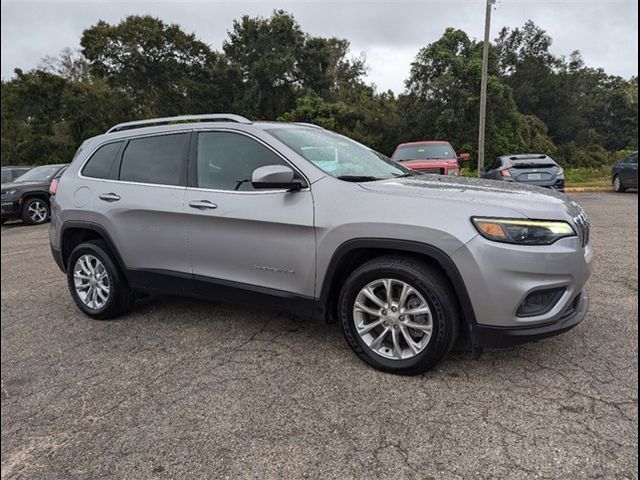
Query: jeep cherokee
[(300, 219)]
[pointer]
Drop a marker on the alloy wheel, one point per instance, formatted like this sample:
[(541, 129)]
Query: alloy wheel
[(393, 319), (91, 281), (38, 211)]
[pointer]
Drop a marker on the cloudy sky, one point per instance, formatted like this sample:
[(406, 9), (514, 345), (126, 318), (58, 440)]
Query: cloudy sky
[(388, 32)]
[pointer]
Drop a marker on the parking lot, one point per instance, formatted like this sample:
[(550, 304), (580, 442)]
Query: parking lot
[(191, 389)]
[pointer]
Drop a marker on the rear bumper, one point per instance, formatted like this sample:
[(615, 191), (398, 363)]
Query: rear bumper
[(495, 337), (57, 256)]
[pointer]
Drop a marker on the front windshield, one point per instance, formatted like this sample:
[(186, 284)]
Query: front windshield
[(39, 174), (338, 155), (424, 152)]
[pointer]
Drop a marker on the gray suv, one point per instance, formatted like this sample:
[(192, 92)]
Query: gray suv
[(300, 219)]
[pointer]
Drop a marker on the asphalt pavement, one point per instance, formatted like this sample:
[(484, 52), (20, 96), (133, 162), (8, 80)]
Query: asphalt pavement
[(182, 388)]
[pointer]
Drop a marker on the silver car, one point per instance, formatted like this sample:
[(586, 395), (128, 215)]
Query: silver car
[(300, 219)]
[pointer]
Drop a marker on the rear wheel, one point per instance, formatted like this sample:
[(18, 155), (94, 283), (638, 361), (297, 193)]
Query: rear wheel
[(35, 211), (399, 315), (96, 284), (618, 187)]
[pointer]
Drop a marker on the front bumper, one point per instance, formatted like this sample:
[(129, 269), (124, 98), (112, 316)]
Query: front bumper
[(496, 337), (10, 208), (499, 277)]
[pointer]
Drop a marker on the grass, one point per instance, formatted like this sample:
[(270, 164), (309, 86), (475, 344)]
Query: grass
[(575, 177)]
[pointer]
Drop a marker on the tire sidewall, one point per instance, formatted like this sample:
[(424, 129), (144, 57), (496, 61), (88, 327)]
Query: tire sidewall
[(438, 344), (100, 254), (25, 211), (617, 185)]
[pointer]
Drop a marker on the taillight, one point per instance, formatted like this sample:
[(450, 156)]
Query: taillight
[(505, 172), (53, 188)]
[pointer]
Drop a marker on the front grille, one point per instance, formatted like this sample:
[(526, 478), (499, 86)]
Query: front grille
[(437, 171), (582, 222)]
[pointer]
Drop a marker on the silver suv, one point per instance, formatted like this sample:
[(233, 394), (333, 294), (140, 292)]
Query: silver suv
[(300, 219)]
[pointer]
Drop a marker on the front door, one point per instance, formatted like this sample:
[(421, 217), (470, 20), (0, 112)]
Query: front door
[(258, 241)]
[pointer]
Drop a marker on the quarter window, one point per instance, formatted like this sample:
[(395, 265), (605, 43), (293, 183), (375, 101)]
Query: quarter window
[(159, 160), (101, 162), (226, 160)]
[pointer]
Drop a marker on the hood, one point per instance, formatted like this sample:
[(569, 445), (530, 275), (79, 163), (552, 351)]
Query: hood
[(24, 185), (529, 201), (430, 162)]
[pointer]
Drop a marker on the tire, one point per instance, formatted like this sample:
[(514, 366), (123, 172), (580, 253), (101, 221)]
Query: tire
[(119, 298), (35, 211), (433, 288), (617, 185)]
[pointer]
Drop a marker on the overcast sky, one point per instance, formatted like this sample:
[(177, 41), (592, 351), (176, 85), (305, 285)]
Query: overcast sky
[(388, 32)]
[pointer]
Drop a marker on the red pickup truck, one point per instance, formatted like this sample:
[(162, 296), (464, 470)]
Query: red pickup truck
[(430, 157)]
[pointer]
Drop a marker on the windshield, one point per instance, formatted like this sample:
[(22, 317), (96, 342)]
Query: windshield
[(338, 155), (6, 175), (39, 174), (424, 152)]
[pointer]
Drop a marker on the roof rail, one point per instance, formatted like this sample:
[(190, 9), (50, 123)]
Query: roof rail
[(153, 122), (307, 124)]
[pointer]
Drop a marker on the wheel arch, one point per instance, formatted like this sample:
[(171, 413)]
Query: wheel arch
[(354, 252), (73, 233)]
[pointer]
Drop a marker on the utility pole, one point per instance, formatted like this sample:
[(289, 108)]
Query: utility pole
[(483, 87)]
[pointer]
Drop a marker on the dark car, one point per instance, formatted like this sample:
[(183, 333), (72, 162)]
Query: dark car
[(625, 173), (531, 169), (11, 172), (28, 196)]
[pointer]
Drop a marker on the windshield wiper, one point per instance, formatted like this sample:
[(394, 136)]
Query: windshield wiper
[(408, 174), (358, 178)]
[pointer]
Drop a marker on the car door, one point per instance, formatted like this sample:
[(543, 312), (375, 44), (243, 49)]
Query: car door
[(241, 238), (138, 201), (630, 175)]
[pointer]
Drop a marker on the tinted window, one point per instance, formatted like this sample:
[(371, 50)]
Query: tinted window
[(100, 163), (227, 160), (424, 152), (159, 160)]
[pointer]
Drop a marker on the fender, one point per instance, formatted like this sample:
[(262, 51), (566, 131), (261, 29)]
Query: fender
[(395, 245)]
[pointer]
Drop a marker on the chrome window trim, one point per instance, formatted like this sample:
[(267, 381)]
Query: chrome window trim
[(204, 129)]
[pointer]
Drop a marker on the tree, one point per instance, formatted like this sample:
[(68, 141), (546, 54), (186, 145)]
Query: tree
[(163, 69)]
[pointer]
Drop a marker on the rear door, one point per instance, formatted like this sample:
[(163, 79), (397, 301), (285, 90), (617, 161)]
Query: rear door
[(139, 203), (259, 240)]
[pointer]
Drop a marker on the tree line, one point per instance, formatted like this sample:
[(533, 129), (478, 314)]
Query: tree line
[(270, 69)]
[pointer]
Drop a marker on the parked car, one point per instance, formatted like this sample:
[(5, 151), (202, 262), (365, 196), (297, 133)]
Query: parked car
[(625, 173), (430, 157), (27, 197), (531, 168), (11, 172), (220, 207)]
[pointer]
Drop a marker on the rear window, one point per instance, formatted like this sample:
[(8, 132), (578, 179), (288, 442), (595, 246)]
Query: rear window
[(101, 162), (159, 160), (424, 152)]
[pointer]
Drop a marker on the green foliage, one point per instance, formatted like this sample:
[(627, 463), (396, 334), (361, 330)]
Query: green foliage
[(269, 68)]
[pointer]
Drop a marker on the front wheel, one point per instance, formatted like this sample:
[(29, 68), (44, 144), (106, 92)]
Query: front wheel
[(35, 211), (399, 314), (618, 187)]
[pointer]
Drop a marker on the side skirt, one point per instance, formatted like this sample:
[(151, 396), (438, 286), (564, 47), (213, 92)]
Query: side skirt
[(176, 283)]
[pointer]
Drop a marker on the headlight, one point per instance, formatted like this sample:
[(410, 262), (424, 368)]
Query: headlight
[(9, 192), (523, 231), (560, 171)]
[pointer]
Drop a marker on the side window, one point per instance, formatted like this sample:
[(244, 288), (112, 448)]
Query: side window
[(226, 161), (159, 160), (100, 163)]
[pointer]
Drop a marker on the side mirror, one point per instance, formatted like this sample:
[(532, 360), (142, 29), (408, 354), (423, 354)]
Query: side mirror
[(463, 157), (275, 177)]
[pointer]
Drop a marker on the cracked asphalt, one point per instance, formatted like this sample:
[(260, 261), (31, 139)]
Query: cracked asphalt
[(191, 389)]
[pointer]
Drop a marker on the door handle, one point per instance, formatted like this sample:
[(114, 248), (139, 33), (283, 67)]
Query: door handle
[(109, 197), (202, 204)]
